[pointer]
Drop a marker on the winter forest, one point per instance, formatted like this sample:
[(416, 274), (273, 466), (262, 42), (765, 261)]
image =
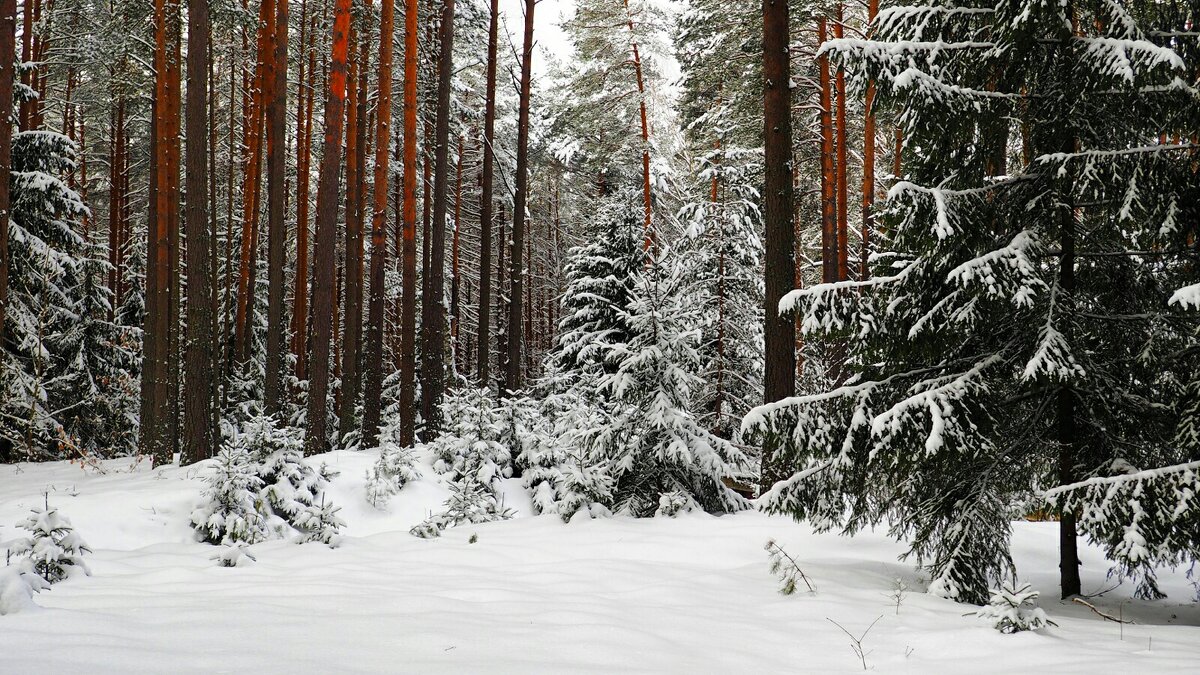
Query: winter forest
[(600, 336)]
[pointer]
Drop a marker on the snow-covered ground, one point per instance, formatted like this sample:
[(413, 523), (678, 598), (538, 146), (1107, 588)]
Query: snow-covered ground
[(531, 595)]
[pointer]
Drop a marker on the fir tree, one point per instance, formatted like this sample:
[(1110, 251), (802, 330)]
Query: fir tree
[(1016, 335), (54, 549)]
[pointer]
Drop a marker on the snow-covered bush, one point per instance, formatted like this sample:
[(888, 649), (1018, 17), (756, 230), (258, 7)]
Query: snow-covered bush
[(1013, 609), (393, 470), (54, 550), (17, 585), (231, 509), (234, 555), (470, 502), (320, 523), (470, 447), (671, 504)]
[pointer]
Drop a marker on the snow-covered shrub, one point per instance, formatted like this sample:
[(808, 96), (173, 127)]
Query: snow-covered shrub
[(234, 555), (1013, 609), (470, 502), (470, 447), (320, 522), (671, 504), (231, 509), (393, 470), (18, 583), (54, 550)]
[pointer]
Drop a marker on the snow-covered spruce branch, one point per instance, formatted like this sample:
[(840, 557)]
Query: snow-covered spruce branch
[(1188, 296)]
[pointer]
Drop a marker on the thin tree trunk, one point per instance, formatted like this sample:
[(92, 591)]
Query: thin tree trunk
[(325, 251), (513, 375), (198, 356), (300, 318), (276, 210), (352, 283), (454, 271), (779, 331), (648, 235), (829, 233), (484, 337), (433, 359), (843, 227), (8, 37), (25, 112), (408, 304), (374, 337), (868, 181)]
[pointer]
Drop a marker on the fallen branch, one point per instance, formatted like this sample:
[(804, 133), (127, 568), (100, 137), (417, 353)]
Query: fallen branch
[(1106, 617)]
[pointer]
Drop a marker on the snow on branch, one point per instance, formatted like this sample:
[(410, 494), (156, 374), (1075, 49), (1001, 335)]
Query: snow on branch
[(1186, 297)]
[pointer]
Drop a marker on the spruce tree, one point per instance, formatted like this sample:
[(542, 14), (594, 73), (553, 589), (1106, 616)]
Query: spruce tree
[(1016, 335)]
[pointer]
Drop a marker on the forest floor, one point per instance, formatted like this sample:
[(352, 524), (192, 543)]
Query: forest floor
[(531, 595)]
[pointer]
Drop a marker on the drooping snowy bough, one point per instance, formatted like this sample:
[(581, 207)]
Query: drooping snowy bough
[(1015, 333)]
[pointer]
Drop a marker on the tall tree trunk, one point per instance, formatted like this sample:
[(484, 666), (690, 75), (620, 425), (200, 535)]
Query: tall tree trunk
[(25, 111), (648, 236), (433, 359), (325, 249), (373, 356), (157, 398), (8, 37), (829, 220), (254, 121), (484, 323), (455, 319), (408, 304), (114, 204), (843, 254), (868, 181), (512, 380), (352, 284), (276, 208), (779, 331), (201, 314), (300, 316)]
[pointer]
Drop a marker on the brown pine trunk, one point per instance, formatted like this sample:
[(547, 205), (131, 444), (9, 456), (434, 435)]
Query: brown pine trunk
[(512, 380), (25, 111), (300, 316), (843, 254), (115, 172), (201, 314), (648, 235), (373, 355), (352, 281), (254, 122), (8, 37), (868, 181), (276, 209), (484, 336), (433, 359), (325, 253), (158, 401), (829, 232), (408, 304), (779, 331)]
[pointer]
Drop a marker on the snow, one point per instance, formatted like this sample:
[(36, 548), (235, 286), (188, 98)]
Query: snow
[(531, 595)]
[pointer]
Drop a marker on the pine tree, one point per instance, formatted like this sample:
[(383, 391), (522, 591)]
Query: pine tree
[(1017, 335), (54, 549)]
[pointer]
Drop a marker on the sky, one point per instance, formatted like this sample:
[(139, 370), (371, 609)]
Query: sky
[(546, 32)]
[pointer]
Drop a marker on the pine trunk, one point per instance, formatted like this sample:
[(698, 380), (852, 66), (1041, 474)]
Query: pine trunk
[(408, 303), (779, 331), (276, 208), (433, 360), (8, 36), (373, 356), (201, 314), (325, 246), (483, 335), (512, 380), (843, 221)]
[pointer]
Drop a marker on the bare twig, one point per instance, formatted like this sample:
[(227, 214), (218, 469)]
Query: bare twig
[(1107, 617)]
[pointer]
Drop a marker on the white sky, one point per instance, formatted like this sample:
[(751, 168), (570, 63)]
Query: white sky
[(546, 32)]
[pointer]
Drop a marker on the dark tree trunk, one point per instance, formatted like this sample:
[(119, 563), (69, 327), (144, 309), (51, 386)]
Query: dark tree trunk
[(779, 331), (433, 360), (829, 220), (484, 336), (325, 249), (373, 356), (408, 303), (352, 285), (201, 314), (276, 208), (513, 372)]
